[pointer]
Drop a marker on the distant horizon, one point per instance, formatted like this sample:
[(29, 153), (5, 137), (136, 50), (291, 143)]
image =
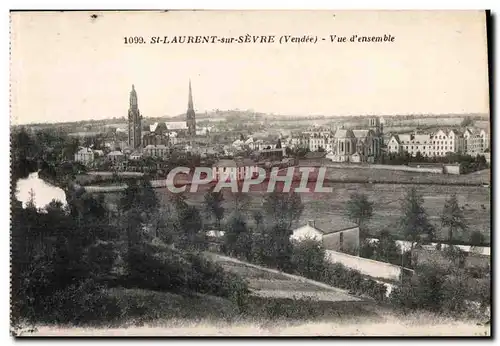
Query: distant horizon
[(483, 115)]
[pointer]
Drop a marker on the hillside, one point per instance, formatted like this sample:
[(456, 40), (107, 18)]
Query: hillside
[(166, 314)]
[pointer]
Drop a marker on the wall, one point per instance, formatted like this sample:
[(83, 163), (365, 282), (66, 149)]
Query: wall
[(452, 169), (365, 266), (350, 240), (120, 174), (406, 246)]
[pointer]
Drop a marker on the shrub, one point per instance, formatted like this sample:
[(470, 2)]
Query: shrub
[(162, 268), (308, 259)]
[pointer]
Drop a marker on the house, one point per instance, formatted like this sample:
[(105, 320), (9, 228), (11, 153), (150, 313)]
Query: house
[(224, 169), (234, 169), (427, 144), (85, 156), (394, 145), (336, 235), (475, 141), (161, 151), (116, 156), (318, 141), (277, 153), (136, 155)]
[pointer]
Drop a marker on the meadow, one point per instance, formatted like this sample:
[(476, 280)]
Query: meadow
[(386, 191), (329, 208)]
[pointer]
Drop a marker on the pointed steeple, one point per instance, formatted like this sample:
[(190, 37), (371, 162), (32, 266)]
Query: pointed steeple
[(190, 115), (133, 97), (190, 97)]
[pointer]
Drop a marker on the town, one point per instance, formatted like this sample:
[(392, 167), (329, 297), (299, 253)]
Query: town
[(375, 198)]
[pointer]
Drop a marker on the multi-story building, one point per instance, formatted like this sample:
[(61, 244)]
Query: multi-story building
[(317, 141), (85, 156), (299, 140), (159, 151), (318, 131), (476, 141), (437, 144)]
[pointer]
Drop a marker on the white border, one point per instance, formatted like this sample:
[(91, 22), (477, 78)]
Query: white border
[(124, 4)]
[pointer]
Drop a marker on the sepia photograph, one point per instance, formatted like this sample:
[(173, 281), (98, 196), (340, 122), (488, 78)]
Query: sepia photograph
[(260, 173)]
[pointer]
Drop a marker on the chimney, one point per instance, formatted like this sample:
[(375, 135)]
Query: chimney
[(311, 223)]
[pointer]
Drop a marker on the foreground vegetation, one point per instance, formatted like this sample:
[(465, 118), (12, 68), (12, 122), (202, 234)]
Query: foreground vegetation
[(84, 264)]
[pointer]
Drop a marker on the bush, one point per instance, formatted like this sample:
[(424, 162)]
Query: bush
[(453, 292), (161, 268), (308, 259), (338, 275)]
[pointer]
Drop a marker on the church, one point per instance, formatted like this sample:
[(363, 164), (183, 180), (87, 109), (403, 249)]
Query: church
[(162, 134), (363, 145)]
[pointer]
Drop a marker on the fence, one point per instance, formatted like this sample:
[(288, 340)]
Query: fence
[(405, 245)]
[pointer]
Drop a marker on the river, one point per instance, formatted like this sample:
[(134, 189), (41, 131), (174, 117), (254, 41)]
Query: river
[(44, 192)]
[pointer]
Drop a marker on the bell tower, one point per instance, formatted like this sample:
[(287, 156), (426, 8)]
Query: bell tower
[(134, 121)]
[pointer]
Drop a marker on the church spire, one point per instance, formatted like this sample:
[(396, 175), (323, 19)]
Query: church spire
[(133, 97), (190, 115), (190, 97)]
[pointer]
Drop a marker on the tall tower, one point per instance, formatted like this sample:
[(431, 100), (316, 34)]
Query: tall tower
[(134, 121), (190, 116)]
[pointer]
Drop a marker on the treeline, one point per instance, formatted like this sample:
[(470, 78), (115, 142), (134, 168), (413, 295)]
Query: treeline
[(452, 287), (467, 163), (265, 239)]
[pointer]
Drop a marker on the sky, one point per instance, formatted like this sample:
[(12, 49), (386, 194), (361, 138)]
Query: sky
[(68, 66)]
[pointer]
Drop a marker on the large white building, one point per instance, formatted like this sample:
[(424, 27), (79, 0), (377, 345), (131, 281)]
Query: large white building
[(476, 141), (439, 143)]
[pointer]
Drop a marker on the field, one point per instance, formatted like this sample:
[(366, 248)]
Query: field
[(327, 208), (268, 283)]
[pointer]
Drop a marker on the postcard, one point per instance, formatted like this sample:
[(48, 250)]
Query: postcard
[(250, 173)]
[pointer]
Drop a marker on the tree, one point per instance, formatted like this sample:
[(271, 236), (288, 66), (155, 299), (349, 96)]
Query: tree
[(278, 144), (452, 217), (187, 223), (237, 237), (387, 249), (141, 196), (414, 222), (359, 209), (477, 238), (283, 208), (308, 259), (467, 122), (240, 199), (213, 205)]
